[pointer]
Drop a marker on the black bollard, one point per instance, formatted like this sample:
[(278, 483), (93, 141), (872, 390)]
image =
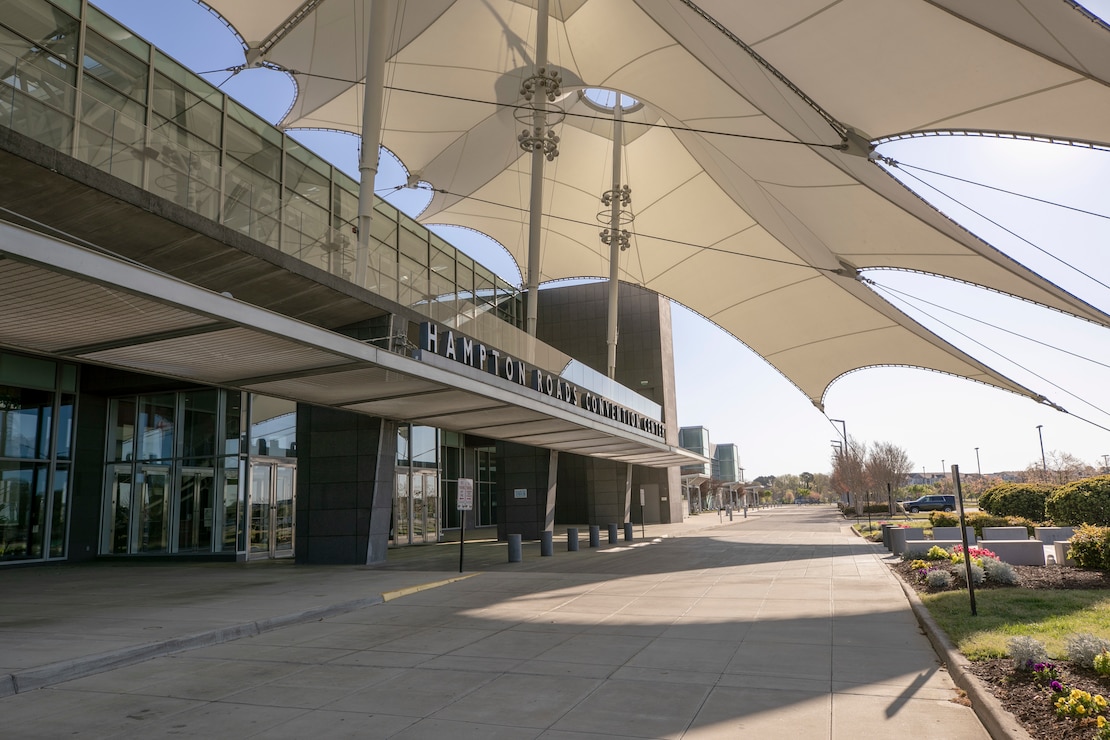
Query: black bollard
[(595, 535), (613, 534), (547, 548), (572, 539), (628, 531), (515, 553)]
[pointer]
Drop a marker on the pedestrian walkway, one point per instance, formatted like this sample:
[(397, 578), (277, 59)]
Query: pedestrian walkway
[(783, 625)]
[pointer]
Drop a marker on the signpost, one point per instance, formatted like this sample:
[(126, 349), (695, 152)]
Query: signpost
[(465, 504)]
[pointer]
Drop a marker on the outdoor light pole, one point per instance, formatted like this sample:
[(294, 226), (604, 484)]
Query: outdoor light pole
[(843, 430), (1044, 465), (1106, 463), (977, 465)]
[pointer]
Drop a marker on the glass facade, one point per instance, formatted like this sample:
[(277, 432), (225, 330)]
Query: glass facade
[(38, 405), (98, 92), (172, 474)]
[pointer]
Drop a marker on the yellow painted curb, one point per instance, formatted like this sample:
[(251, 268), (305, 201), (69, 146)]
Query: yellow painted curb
[(390, 595)]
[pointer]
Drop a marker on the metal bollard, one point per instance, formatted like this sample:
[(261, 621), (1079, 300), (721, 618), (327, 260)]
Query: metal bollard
[(595, 535), (515, 554), (547, 548), (572, 539), (628, 531), (612, 534)]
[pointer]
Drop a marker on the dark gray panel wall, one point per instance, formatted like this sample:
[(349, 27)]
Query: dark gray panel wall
[(525, 468), (336, 470)]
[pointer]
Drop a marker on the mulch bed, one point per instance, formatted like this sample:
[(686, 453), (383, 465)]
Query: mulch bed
[(1031, 704)]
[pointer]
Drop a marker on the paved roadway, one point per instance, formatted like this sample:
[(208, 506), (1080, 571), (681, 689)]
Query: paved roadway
[(782, 625)]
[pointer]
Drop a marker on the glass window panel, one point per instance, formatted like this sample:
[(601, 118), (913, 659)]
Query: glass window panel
[(414, 241), (153, 509), (121, 444), (273, 427), (413, 282), (65, 429), (233, 528), (155, 428), (118, 527), (403, 445), (36, 72), (174, 102), (25, 416), (200, 422), (22, 509), (120, 35), (101, 106), (233, 420), (43, 24), (248, 147), (191, 82), (307, 183), (69, 378), (114, 66), (424, 446), (59, 502), (345, 209), (252, 122)]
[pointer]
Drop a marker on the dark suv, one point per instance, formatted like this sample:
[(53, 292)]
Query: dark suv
[(930, 503)]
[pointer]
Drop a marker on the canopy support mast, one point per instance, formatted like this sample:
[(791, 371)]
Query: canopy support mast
[(617, 239), (371, 135)]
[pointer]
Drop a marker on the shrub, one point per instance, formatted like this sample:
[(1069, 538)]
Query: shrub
[(938, 578), (1090, 547), (1026, 651), (999, 572), (1025, 500), (976, 574), (1083, 649), (980, 519), (944, 519), (1084, 501)]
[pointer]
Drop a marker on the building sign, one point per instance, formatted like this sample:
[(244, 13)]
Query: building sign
[(452, 345)]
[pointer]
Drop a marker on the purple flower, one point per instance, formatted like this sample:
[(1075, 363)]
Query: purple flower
[(1057, 687)]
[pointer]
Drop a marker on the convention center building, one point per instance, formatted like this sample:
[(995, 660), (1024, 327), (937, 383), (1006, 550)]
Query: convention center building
[(197, 361)]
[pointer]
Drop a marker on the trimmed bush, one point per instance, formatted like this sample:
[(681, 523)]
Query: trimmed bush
[(999, 572), (944, 519), (1026, 500), (1084, 501), (1090, 547), (978, 520)]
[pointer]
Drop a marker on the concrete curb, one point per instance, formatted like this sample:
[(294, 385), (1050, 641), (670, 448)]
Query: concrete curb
[(67, 670), (999, 723)]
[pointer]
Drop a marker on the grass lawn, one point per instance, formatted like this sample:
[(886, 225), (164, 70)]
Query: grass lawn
[(1047, 615)]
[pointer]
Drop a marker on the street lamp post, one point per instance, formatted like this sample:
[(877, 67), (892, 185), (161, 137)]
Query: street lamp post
[(843, 430), (977, 465), (1044, 465)]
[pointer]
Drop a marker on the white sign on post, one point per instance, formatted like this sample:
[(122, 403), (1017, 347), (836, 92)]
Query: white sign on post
[(466, 494)]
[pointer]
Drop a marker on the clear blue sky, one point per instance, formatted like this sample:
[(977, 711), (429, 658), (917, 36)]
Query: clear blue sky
[(726, 388)]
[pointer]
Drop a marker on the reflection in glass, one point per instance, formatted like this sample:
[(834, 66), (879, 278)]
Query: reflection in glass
[(155, 428), (153, 510), (25, 416)]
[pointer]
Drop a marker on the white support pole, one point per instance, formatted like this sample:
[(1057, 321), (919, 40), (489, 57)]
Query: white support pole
[(535, 205), (614, 241), (371, 132)]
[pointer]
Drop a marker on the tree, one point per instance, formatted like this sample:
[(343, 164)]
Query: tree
[(807, 479), (887, 465), (1062, 468), (848, 478)]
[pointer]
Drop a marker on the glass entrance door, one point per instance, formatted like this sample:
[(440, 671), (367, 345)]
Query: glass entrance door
[(272, 507), (415, 508)]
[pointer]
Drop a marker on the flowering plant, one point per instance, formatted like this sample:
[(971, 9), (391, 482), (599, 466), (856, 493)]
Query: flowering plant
[(975, 553), (936, 552), (1102, 663), (1045, 674), (1080, 704)]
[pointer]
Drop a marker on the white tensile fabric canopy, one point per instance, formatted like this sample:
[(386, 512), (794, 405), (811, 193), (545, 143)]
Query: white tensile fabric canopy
[(755, 199)]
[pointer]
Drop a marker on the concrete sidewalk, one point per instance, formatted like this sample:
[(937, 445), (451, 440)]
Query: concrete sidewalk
[(781, 625)]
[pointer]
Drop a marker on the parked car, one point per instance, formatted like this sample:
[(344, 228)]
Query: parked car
[(930, 503)]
